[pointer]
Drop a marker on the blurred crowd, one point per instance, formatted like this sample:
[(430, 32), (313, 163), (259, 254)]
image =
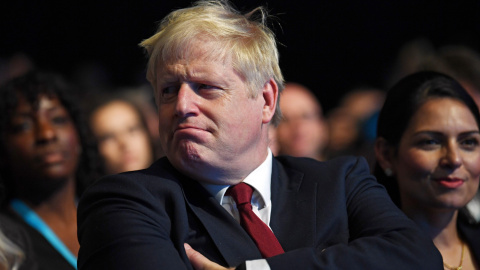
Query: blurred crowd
[(119, 127), (305, 131), (350, 127)]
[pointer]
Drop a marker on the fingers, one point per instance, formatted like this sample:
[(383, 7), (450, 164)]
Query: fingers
[(200, 262), (196, 259)]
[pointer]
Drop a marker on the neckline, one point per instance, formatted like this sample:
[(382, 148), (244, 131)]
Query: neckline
[(36, 222)]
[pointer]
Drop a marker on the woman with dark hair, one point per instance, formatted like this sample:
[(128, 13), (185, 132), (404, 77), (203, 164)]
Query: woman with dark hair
[(428, 158), (46, 161), (121, 131)]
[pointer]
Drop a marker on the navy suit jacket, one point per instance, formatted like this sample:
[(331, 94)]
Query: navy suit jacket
[(326, 215)]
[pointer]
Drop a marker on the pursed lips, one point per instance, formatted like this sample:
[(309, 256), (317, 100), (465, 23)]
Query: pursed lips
[(185, 127)]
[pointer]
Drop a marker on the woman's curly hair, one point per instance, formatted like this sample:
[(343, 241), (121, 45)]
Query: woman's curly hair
[(30, 86)]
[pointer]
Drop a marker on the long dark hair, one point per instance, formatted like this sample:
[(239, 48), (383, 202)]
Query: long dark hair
[(402, 102), (30, 86)]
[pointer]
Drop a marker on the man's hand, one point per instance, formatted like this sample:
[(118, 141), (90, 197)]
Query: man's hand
[(200, 262)]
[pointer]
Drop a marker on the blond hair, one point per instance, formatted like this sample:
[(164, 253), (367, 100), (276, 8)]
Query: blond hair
[(245, 38)]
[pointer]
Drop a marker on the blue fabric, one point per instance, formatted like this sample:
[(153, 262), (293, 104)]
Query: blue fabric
[(31, 218)]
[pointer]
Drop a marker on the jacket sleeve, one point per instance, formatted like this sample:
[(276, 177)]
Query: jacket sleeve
[(380, 236), (123, 225)]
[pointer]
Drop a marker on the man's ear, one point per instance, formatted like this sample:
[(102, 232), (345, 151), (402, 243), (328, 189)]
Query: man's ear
[(270, 95), (384, 153)]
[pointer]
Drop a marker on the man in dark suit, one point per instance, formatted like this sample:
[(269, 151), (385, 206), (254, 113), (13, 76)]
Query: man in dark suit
[(217, 81)]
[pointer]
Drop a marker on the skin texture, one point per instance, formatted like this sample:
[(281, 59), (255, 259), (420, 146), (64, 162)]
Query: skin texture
[(199, 261), (122, 139), (442, 141), (210, 127), (302, 131)]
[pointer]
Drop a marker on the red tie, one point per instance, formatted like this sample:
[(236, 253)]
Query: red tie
[(261, 234)]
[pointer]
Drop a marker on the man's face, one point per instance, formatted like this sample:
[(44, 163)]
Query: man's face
[(302, 132), (210, 127)]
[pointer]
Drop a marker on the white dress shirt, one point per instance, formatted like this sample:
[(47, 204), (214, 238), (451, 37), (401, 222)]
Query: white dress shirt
[(260, 180)]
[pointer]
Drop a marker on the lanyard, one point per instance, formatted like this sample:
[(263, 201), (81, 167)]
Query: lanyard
[(31, 218)]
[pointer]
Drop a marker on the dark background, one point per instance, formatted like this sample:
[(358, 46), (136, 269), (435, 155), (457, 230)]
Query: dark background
[(330, 46)]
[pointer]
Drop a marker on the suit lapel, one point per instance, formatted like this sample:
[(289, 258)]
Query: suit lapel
[(293, 207), (231, 240)]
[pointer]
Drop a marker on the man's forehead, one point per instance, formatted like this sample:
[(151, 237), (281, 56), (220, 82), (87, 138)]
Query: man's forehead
[(192, 68), (197, 61), (197, 48)]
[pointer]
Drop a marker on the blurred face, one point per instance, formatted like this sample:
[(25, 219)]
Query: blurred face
[(343, 130), (42, 143), (122, 139), (301, 132), (437, 164), (210, 128)]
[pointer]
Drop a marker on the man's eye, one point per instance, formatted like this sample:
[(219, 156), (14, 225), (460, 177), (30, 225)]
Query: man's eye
[(169, 90), (206, 86)]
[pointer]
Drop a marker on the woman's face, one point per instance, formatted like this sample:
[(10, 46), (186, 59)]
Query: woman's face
[(438, 160), (123, 140), (42, 143)]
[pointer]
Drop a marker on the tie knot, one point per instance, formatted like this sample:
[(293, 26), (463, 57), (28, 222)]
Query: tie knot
[(241, 193)]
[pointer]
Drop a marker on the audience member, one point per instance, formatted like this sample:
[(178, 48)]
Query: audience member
[(428, 151), (464, 64), (122, 135), (142, 97), (302, 131), (352, 123), (411, 58), (16, 250), (216, 78), (46, 161), (458, 61), (11, 256)]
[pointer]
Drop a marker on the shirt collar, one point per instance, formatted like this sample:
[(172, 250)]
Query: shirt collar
[(259, 179)]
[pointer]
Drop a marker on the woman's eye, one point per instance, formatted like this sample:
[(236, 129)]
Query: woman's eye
[(60, 120), (21, 126), (470, 143), (106, 137), (428, 144)]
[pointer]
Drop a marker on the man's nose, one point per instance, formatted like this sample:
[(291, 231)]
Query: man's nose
[(187, 100)]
